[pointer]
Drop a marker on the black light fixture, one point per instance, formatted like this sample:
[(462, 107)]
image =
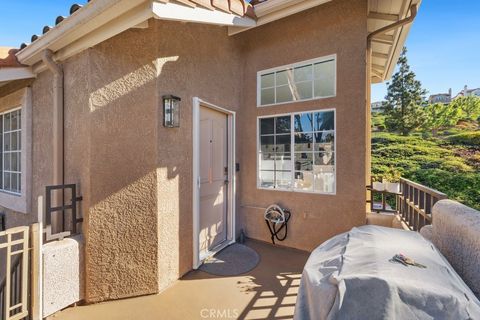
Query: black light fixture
[(171, 111)]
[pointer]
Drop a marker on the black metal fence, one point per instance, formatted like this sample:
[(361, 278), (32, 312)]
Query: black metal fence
[(61, 209)]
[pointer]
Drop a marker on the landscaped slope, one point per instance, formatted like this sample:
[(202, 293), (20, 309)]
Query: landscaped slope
[(449, 162)]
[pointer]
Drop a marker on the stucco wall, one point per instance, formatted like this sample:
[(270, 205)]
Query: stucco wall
[(42, 170), (338, 27), (62, 281), (193, 60), (136, 176), (110, 153), (455, 231), (121, 226)]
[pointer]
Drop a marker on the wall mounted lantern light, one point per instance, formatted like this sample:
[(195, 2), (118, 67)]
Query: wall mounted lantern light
[(171, 111)]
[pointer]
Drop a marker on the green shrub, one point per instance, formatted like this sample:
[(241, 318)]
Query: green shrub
[(455, 165), (443, 163), (466, 138), (463, 187)]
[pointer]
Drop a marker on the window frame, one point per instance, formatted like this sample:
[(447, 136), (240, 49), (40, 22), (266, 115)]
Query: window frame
[(2, 151), (21, 203), (292, 151), (293, 66)]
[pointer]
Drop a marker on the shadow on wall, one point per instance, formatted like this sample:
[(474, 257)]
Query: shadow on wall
[(127, 172), (140, 188), (127, 83)]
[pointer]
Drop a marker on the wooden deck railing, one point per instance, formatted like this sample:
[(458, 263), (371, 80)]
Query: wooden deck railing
[(415, 203)]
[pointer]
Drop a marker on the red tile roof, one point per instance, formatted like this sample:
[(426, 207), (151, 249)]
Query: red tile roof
[(238, 7), (8, 58)]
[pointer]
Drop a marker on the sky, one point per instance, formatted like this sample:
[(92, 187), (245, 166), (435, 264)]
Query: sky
[(443, 44), (443, 47)]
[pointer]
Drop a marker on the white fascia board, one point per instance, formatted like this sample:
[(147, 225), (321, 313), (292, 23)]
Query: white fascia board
[(92, 16), (17, 73), (267, 7), (118, 25), (398, 44), (177, 12), (278, 9)]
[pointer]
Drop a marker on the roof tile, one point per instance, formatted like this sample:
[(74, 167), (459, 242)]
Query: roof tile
[(8, 58), (238, 7)]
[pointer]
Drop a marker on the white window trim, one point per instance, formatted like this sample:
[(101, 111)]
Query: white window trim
[(292, 148), (3, 151), (21, 202), (292, 66)]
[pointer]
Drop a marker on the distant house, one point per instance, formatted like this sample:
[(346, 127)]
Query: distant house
[(468, 92), (377, 106), (441, 97)]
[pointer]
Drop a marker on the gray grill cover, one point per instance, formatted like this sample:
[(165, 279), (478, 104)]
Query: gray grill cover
[(350, 277)]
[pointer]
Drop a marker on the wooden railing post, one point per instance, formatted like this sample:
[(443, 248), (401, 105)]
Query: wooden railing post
[(416, 203)]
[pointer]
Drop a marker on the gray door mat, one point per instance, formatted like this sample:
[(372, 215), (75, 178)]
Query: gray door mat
[(231, 261)]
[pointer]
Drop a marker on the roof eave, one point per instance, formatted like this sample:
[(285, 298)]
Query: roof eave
[(102, 19), (8, 75), (178, 12), (403, 33), (273, 10), (383, 64), (91, 17)]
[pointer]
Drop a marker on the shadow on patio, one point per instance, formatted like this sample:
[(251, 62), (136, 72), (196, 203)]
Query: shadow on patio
[(267, 292)]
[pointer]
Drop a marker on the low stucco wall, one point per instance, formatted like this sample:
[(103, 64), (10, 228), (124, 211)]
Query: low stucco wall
[(455, 231), (389, 220), (63, 276)]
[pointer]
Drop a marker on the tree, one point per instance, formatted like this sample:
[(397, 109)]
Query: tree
[(469, 106), (439, 116), (404, 100)]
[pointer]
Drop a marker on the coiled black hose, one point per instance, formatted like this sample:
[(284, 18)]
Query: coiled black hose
[(276, 217)]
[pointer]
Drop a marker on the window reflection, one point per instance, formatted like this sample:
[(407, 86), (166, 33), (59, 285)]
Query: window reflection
[(308, 165), (282, 125), (324, 120), (304, 142), (296, 83), (275, 152), (303, 122)]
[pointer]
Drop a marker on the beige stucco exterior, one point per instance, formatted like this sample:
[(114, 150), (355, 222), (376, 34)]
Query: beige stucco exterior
[(335, 28), (135, 176)]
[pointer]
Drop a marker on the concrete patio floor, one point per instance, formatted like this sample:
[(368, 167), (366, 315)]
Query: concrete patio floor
[(267, 292)]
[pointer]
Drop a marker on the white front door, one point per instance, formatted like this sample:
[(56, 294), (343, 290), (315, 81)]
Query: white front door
[(213, 180)]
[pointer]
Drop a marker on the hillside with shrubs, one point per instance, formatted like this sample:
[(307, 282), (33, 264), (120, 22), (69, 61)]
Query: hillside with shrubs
[(437, 145)]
